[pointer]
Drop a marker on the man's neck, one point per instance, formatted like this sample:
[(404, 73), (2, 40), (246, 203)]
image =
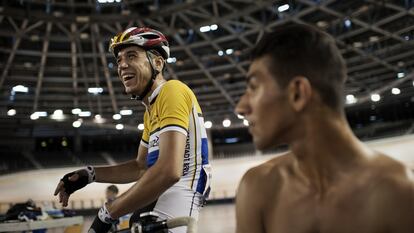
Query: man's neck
[(326, 150), (157, 82)]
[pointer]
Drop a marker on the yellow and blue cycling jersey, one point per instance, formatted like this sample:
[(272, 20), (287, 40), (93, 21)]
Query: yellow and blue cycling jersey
[(174, 107)]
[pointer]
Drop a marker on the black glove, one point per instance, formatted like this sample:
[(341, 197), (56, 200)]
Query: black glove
[(86, 176), (103, 222), (99, 227)]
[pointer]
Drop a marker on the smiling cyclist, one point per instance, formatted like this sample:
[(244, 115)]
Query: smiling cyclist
[(171, 171)]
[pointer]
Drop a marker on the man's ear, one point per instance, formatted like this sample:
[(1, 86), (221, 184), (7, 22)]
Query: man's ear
[(159, 63), (299, 92)]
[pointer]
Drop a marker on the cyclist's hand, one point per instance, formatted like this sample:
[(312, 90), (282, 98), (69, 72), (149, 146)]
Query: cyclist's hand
[(103, 222), (72, 182)]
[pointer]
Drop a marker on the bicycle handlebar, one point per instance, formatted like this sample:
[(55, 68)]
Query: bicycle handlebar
[(190, 222)]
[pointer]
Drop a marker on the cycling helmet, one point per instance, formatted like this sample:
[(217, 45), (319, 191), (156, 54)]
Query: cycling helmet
[(146, 38)]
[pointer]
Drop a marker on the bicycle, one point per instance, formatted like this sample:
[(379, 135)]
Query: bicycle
[(149, 223)]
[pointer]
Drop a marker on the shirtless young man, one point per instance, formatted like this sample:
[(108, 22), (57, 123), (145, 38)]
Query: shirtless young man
[(328, 181)]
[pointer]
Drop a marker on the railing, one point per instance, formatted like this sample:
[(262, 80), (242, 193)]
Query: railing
[(97, 203)]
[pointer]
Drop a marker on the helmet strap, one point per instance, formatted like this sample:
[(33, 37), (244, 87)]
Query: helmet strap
[(150, 82)]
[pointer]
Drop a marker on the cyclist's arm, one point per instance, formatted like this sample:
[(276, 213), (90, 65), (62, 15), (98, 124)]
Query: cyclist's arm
[(157, 179), (126, 172)]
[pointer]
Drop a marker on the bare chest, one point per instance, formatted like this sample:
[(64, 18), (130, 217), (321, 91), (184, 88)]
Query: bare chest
[(305, 213)]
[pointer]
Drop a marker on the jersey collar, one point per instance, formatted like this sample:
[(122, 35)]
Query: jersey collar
[(155, 93)]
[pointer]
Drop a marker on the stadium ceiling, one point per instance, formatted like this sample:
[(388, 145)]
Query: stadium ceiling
[(58, 51)]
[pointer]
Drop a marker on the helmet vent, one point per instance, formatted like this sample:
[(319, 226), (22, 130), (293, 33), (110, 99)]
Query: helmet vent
[(150, 36)]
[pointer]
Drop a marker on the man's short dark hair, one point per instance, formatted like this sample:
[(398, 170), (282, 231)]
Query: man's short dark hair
[(304, 50), (112, 188)]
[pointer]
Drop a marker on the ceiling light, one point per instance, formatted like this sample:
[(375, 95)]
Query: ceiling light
[(231, 140), (119, 126), (373, 38), (208, 124), (58, 112), (400, 75), (64, 143), (77, 124), (322, 24), (141, 126), (57, 115), (347, 23), (245, 122), (82, 19), (220, 53), (226, 123), (20, 88), (395, 91), (171, 60), (205, 28), (240, 116), (357, 44), (76, 111), (180, 63), (229, 51), (84, 35), (375, 97), (27, 65), (34, 116), (116, 116), (42, 114), (208, 28), (283, 8), (350, 99), (126, 112), (108, 1), (95, 90), (58, 13), (98, 119), (11, 112), (85, 114), (34, 38), (125, 12)]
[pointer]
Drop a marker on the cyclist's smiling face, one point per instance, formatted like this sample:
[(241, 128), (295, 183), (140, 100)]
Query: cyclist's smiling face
[(134, 69)]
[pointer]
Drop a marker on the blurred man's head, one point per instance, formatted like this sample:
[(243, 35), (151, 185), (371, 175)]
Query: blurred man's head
[(111, 192), (294, 68)]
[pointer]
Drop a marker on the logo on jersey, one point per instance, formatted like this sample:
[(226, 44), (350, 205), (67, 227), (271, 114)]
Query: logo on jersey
[(155, 142), (186, 167)]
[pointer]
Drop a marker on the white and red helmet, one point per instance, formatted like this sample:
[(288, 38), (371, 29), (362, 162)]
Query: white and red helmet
[(144, 37)]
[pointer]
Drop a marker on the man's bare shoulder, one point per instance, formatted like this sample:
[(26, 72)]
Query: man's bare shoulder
[(392, 192), (391, 172), (268, 173), (262, 183)]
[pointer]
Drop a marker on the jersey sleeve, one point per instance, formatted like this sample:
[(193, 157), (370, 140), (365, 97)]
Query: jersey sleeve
[(145, 133), (175, 107)]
